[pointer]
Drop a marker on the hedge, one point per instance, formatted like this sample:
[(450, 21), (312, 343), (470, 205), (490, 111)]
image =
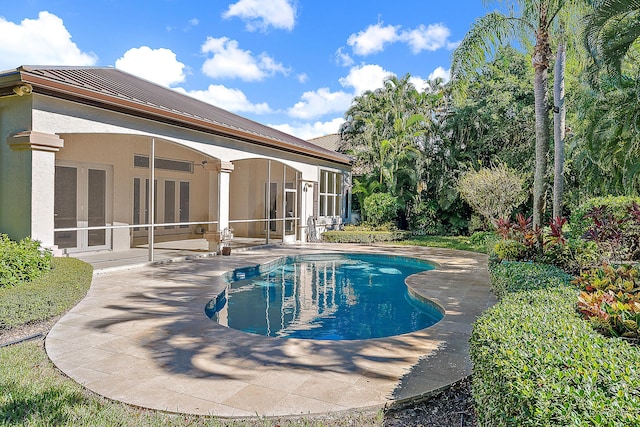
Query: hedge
[(513, 276), (50, 295), (537, 363), (366, 237), (21, 261)]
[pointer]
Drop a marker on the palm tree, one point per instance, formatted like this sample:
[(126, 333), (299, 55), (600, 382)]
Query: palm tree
[(559, 112), (382, 129), (607, 155), (612, 114), (534, 25), (610, 31)]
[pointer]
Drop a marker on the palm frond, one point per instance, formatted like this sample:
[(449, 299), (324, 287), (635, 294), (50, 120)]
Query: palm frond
[(482, 40), (610, 30)]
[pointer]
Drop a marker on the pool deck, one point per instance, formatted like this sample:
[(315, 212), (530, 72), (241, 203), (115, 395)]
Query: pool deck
[(140, 336)]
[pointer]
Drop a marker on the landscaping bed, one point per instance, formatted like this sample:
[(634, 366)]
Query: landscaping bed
[(537, 362)]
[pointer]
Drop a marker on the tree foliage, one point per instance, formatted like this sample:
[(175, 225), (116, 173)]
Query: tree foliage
[(604, 154), (415, 144), (535, 25), (380, 208), (492, 192)]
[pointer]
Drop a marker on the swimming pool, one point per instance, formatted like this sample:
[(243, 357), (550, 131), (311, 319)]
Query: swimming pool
[(326, 297)]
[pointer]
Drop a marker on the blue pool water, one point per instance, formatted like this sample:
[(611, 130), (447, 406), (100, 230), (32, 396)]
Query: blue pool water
[(326, 297)]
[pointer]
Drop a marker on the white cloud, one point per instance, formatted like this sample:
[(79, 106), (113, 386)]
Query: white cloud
[(376, 37), (419, 83), (42, 41), (228, 99), (158, 65), (323, 101), (373, 39), (423, 84), (432, 37), (320, 102), (307, 131), (453, 45), (343, 59), (229, 61), (440, 73), (260, 14), (365, 77), (302, 77)]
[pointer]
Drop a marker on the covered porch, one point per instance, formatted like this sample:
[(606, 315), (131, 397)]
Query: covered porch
[(134, 193)]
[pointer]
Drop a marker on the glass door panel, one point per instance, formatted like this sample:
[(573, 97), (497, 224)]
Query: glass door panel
[(271, 204), (80, 200), (290, 211), (141, 205), (97, 206), (137, 212), (169, 203), (65, 206), (184, 203)]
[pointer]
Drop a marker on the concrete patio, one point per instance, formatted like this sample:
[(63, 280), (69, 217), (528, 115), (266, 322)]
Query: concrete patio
[(140, 336)]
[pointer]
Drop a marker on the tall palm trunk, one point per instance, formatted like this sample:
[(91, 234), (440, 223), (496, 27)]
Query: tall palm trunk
[(540, 63), (559, 130)]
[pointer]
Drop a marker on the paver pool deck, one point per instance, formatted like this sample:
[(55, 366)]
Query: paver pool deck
[(141, 336)]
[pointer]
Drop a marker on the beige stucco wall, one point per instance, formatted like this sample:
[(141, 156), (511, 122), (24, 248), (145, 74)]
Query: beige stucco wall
[(15, 169)]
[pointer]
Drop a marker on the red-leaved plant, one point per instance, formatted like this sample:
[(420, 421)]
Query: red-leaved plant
[(520, 230)]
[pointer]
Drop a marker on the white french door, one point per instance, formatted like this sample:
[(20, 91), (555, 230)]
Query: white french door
[(171, 205), (82, 200)]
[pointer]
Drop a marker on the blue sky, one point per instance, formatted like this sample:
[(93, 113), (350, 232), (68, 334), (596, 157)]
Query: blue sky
[(295, 65)]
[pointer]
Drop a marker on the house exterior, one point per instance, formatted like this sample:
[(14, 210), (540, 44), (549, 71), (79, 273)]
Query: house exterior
[(95, 158)]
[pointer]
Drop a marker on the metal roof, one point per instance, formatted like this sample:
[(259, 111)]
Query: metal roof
[(116, 90)]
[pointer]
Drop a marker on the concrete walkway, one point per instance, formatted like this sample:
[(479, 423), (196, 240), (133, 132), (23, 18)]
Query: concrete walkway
[(140, 336)]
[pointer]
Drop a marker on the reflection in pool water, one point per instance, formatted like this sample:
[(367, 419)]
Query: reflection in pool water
[(326, 297)]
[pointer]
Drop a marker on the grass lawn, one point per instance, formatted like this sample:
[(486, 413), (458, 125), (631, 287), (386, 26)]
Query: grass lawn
[(34, 393), (463, 243)]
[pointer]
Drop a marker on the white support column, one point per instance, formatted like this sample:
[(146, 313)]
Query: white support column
[(42, 148), (151, 197), (224, 178), (219, 179)]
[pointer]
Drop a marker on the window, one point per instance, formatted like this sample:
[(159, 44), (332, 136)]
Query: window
[(142, 161), (330, 193)]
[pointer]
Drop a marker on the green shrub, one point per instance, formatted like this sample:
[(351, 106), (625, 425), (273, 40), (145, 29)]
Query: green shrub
[(49, 295), (387, 226), (536, 363), (380, 208), (365, 237), (510, 250), (508, 277), (493, 192), (572, 257), (618, 206), (423, 218), (488, 239), (482, 236), (21, 261)]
